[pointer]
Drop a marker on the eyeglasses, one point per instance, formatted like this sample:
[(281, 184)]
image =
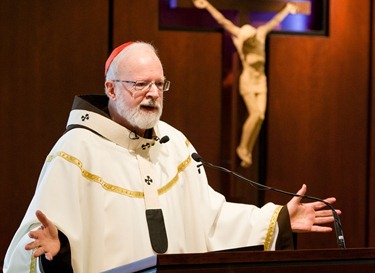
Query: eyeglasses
[(143, 86)]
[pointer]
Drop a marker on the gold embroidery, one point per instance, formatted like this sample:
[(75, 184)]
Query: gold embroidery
[(109, 187), (32, 264), (271, 228), (171, 183)]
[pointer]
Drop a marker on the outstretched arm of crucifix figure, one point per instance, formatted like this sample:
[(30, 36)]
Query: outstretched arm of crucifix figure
[(218, 16), (289, 8)]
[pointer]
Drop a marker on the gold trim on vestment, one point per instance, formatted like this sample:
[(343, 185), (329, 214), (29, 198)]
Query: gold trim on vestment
[(109, 187), (271, 228), (32, 264)]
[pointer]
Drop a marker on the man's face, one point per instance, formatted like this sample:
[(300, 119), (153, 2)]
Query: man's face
[(139, 109)]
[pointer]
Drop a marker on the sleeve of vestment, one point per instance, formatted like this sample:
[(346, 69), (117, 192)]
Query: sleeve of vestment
[(61, 263), (285, 237)]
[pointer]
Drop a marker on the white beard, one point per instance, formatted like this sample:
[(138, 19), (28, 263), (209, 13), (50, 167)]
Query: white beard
[(139, 118)]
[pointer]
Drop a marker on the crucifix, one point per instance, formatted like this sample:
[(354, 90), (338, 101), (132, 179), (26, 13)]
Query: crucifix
[(249, 42), (183, 15)]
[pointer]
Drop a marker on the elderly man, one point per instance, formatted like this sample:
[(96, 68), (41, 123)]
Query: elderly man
[(119, 186)]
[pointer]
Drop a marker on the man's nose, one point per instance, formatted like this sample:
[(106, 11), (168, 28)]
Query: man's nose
[(153, 91)]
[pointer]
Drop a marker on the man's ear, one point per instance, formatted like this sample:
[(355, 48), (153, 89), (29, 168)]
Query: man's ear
[(110, 90)]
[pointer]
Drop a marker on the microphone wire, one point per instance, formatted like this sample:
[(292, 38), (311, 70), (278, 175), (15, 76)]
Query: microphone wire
[(337, 222)]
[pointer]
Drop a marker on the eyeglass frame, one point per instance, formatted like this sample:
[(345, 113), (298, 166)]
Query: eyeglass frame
[(147, 87)]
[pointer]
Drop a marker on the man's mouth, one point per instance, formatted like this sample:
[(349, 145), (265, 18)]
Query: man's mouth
[(149, 107)]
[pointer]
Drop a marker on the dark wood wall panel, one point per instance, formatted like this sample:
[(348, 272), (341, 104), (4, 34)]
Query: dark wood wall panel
[(371, 178), (50, 51), (318, 118)]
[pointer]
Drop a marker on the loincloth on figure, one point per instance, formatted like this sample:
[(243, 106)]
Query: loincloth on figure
[(254, 85)]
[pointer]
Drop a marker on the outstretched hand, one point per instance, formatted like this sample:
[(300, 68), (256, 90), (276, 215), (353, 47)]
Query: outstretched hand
[(310, 217), (292, 8), (46, 238), (200, 4)]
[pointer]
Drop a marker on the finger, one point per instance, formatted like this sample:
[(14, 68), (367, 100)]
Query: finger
[(34, 234), (324, 220), (301, 191), (38, 252), (32, 245), (330, 200), (320, 229), (317, 205), (42, 218), (323, 213), (48, 256)]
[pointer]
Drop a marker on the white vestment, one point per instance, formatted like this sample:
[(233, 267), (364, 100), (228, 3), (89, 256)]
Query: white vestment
[(91, 188)]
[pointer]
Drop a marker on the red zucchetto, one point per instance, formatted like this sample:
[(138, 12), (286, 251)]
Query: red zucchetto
[(113, 55)]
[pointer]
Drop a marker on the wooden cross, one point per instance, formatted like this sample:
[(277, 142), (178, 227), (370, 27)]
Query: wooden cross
[(245, 6)]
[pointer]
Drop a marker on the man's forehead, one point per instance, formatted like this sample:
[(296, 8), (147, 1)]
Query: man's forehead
[(141, 66)]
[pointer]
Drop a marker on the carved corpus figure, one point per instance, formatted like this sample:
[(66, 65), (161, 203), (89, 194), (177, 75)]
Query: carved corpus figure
[(250, 45)]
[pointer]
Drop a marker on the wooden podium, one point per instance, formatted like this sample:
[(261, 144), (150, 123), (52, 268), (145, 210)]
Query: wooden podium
[(324, 260)]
